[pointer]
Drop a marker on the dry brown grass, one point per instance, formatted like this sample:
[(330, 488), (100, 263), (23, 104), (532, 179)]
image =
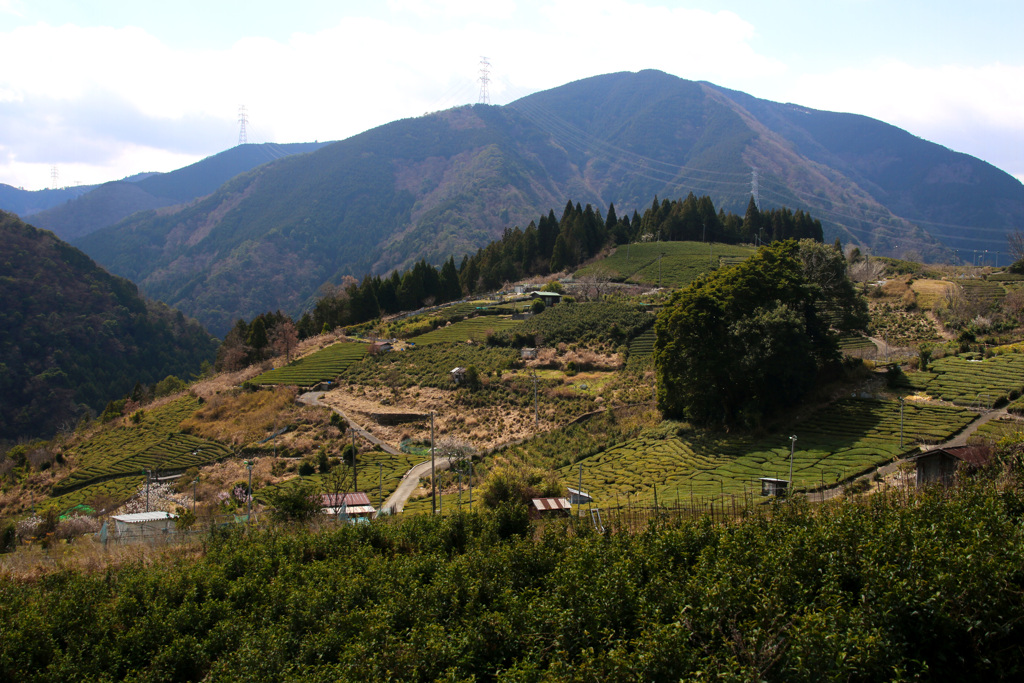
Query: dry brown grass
[(31, 563), (484, 427), (931, 292), (238, 417)]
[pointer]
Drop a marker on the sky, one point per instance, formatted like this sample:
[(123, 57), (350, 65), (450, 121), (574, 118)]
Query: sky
[(97, 90)]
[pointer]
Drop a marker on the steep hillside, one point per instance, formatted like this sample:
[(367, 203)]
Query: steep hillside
[(449, 182), (111, 202), (73, 337)]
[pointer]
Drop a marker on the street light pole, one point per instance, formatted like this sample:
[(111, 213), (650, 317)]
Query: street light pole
[(901, 422), (792, 447)]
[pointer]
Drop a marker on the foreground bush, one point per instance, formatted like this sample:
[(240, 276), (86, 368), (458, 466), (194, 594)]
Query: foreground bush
[(882, 589)]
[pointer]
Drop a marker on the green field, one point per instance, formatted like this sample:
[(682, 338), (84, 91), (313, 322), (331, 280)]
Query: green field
[(643, 345), (681, 262), (969, 380), (477, 329), (983, 290), (856, 342), (994, 430), (848, 438), (154, 443), (322, 366), (377, 469)]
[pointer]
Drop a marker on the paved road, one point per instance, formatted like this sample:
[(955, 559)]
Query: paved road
[(410, 481)]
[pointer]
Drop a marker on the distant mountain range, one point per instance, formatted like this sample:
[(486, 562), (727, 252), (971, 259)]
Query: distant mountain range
[(75, 212), (448, 183)]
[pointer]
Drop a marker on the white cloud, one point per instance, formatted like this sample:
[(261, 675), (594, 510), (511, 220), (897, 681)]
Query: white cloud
[(492, 9), (975, 110)]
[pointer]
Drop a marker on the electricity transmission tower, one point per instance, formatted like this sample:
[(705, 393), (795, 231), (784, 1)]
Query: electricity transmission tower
[(243, 118), (54, 177), (485, 78)]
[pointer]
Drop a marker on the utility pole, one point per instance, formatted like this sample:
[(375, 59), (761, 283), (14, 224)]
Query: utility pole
[(536, 409), (146, 472), (248, 510), (380, 492), (433, 485), (354, 482)]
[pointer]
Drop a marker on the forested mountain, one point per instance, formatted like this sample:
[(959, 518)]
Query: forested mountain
[(448, 183), (111, 202), (73, 337), (27, 202)]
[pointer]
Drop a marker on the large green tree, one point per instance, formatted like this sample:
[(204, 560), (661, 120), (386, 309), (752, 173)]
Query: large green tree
[(747, 341)]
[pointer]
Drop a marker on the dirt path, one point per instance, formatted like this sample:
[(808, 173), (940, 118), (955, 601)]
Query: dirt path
[(312, 398)]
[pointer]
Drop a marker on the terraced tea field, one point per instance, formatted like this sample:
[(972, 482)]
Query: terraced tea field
[(850, 437), (994, 430), (969, 380), (643, 345), (983, 290), (113, 490), (682, 263), (476, 329), (856, 343), (154, 444), (323, 366)]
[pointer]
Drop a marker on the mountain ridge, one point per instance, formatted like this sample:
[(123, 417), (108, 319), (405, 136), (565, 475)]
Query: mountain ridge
[(450, 182)]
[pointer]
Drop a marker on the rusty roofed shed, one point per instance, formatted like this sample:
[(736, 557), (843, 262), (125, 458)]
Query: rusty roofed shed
[(940, 465)]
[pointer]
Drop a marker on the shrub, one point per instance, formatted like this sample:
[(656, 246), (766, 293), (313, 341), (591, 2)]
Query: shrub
[(294, 503), (512, 518), (306, 469), (8, 537)]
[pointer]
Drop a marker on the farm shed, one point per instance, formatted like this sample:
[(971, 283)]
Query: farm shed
[(379, 347), (549, 298), (938, 466), (528, 353), (355, 504), (551, 506), (143, 526), (579, 497), (771, 486), (458, 375)]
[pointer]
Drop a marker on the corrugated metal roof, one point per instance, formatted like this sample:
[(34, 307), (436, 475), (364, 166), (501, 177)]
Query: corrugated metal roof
[(332, 500), (139, 517), (546, 504), (977, 456)]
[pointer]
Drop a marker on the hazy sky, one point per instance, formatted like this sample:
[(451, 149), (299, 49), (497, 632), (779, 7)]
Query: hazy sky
[(105, 89)]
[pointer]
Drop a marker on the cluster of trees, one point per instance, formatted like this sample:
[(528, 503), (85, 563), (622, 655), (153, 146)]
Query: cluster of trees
[(746, 342), (891, 588), (550, 244), (269, 334)]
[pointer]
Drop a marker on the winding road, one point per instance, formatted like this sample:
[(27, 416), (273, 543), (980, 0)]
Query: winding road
[(410, 480)]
